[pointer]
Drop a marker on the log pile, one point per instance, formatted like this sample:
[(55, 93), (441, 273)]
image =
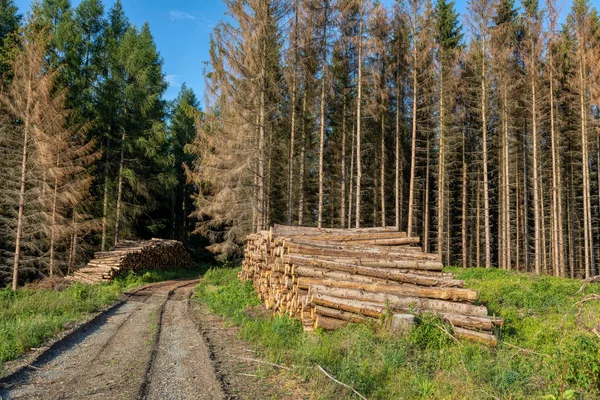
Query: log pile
[(133, 255), (328, 277)]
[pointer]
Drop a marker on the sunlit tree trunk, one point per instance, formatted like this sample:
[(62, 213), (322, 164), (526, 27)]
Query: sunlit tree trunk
[(358, 116)]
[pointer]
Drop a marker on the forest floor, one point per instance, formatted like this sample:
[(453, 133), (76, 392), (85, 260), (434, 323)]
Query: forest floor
[(156, 344)]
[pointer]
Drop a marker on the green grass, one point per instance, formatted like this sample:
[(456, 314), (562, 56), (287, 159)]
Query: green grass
[(545, 352), (29, 317)]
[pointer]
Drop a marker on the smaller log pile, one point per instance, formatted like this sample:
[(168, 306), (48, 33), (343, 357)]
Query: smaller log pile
[(133, 255), (328, 277)]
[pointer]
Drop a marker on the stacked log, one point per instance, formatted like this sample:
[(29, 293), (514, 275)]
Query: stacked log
[(134, 255), (327, 278)]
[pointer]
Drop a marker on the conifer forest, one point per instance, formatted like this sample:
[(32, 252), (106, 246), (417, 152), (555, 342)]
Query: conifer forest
[(480, 132)]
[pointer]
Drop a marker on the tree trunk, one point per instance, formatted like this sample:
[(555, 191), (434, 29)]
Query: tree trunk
[(293, 121), (19, 232), (397, 159), (441, 174), (486, 191), (322, 137), (586, 180), (351, 178), (478, 227), (517, 214), (343, 166), (382, 179), (120, 190), (302, 162), (53, 227), (464, 206), (426, 211), (413, 152), (557, 262), (358, 117), (105, 200), (536, 191), (261, 147), (73, 251)]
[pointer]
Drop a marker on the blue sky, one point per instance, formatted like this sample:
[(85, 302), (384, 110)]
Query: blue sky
[(181, 29)]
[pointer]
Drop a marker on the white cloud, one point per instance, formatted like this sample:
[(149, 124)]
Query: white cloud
[(180, 16)]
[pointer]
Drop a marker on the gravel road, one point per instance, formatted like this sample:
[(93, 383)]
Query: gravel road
[(147, 348)]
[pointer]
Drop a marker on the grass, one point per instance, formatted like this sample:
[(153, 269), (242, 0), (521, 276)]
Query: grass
[(545, 352), (29, 317)]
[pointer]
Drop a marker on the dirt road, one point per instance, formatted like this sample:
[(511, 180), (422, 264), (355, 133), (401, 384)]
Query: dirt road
[(147, 348)]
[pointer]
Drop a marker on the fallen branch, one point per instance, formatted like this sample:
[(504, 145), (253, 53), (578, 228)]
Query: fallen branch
[(590, 297), (448, 333), (341, 383), (264, 362)]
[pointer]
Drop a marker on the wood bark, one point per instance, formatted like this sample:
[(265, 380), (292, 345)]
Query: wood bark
[(120, 190), (358, 116)]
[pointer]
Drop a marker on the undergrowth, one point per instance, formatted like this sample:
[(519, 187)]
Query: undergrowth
[(545, 351), (28, 317)]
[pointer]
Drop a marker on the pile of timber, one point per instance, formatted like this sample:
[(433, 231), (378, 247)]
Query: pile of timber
[(133, 255), (328, 277)]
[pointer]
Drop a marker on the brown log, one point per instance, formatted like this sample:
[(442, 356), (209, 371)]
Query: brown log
[(482, 337), (442, 293), (329, 323), (387, 274), (339, 314), (402, 302)]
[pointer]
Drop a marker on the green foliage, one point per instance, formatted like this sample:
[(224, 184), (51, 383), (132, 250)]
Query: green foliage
[(544, 353)]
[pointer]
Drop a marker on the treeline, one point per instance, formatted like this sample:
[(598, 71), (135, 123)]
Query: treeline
[(90, 151), (483, 139)]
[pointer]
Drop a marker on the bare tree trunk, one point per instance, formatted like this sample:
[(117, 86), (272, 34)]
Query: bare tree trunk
[(19, 232), (536, 190), (351, 179), (293, 121), (557, 263), (525, 215), (343, 183), (321, 149), (120, 189), (486, 190), (441, 196), (382, 179), (413, 152), (517, 214), (464, 206), (426, 211), (53, 227), (506, 177), (269, 181), (261, 147), (302, 163), (105, 201), (358, 117), (397, 159), (570, 228), (478, 227), (543, 226), (586, 178), (73, 251), (173, 209)]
